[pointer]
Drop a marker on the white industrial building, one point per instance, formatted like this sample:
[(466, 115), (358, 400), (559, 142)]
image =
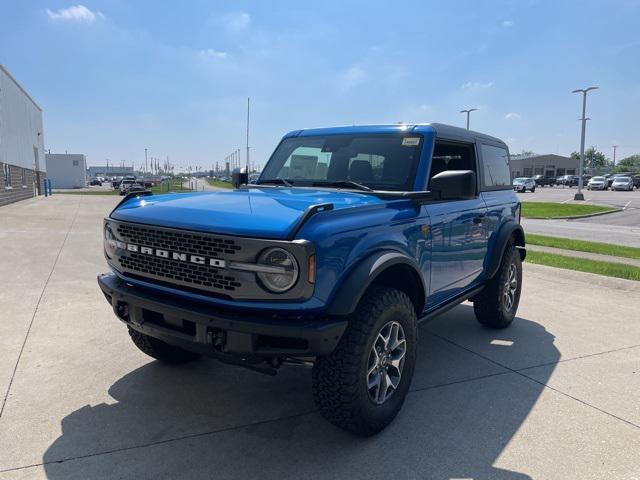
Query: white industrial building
[(67, 170), (22, 162)]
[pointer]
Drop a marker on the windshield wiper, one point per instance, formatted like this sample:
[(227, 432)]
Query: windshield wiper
[(276, 181), (343, 183)]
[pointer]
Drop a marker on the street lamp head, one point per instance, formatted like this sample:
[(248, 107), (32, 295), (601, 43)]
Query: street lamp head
[(469, 110), (584, 90)]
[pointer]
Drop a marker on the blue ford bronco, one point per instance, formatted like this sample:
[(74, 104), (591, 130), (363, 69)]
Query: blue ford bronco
[(351, 237)]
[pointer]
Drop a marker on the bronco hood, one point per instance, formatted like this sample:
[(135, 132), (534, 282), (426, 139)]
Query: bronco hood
[(255, 212)]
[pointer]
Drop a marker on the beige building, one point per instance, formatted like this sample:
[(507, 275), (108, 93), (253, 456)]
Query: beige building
[(550, 165)]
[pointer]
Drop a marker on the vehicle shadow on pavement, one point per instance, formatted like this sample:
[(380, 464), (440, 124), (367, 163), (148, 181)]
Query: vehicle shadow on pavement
[(209, 420)]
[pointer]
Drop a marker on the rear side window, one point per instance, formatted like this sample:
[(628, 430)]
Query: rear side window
[(495, 168), (451, 156)]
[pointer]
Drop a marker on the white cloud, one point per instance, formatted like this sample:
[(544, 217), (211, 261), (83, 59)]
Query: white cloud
[(75, 13), (507, 23), (512, 116), (477, 85), (211, 53), (237, 21), (352, 77)]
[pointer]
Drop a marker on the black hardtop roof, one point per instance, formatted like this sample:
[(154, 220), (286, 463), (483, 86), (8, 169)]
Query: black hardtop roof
[(449, 131)]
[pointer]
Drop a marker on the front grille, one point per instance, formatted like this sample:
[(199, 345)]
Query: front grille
[(176, 271), (178, 241), (203, 275)]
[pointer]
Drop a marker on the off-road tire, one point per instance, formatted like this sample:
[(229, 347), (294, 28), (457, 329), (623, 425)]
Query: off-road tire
[(489, 305), (340, 379), (160, 350)]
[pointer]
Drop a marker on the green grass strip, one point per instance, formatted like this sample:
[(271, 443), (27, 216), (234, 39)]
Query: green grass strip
[(218, 183), (609, 269), (553, 210), (176, 187), (584, 246)]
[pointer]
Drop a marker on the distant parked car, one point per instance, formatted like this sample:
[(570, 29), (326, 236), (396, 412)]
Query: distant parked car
[(128, 186), (253, 178), (622, 183), (569, 180), (522, 184), (609, 180), (95, 181), (597, 183), (634, 178), (542, 181)]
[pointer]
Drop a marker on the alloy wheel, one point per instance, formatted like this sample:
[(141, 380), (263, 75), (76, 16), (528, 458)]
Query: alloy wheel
[(510, 287), (386, 361)]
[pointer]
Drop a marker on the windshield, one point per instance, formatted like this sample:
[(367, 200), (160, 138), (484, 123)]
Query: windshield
[(621, 179), (597, 179), (520, 180), (379, 162)]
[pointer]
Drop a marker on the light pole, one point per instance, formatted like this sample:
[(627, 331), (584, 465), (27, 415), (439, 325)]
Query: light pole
[(468, 112), (615, 147), (145, 161), (579, 195)]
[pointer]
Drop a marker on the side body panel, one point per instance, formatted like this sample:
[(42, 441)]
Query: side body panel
[(459, 246)]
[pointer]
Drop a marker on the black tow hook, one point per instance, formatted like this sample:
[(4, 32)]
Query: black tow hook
[(122, 311)]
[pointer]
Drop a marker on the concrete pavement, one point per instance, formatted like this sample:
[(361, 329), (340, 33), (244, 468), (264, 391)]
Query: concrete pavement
[(554, 396)]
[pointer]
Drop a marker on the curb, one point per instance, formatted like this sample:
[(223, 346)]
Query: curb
[(575, 217)]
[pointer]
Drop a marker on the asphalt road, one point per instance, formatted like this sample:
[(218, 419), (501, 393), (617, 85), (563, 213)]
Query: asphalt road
[(620, 227), (555, 396)]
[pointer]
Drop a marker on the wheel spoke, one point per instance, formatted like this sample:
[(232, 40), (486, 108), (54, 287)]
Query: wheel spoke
[(374, 381), (394, 380), (383, 387)]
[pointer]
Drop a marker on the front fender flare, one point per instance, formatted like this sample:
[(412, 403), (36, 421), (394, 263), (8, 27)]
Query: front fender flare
[(358, 280)]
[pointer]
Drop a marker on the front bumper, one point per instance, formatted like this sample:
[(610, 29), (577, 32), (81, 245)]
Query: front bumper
[(229, 336)]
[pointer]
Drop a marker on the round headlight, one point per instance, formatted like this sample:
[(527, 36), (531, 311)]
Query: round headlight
[(284, 271), (110, 244)]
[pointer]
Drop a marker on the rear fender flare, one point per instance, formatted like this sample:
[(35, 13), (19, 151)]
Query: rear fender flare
[(510, 229)]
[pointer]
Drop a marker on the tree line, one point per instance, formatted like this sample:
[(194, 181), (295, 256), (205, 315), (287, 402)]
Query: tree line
[(595, 159)]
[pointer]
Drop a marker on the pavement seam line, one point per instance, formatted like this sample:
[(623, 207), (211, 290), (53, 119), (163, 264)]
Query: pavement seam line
[(161, 442), (35, 310), (236, 427), (612, 415), (578, 358)]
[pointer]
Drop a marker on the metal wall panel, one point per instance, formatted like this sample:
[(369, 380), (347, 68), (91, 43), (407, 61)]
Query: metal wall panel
[(21, 132)]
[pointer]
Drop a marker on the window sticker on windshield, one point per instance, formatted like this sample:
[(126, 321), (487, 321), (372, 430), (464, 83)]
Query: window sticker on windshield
[(410, 141)]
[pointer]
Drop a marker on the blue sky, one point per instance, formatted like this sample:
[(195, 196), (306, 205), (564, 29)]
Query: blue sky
[(114, 77)]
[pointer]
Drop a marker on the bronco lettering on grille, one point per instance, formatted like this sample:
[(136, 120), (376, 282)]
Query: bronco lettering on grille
[(181, 257)]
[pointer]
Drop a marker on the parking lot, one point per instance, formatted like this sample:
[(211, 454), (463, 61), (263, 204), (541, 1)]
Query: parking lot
[(554, 396), (620, 227)]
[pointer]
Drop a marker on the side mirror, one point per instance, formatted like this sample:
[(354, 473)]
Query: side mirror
[(239, 177), (454, 184)]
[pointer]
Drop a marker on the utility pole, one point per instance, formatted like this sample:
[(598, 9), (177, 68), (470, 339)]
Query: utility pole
[(584, 91), (468, 112), (145, 161), (614, 154), (248, 99)]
